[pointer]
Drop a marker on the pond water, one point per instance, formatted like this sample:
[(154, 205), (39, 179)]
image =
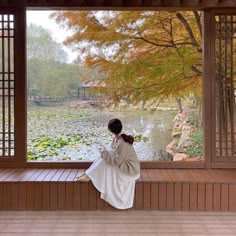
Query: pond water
[(63, 133)]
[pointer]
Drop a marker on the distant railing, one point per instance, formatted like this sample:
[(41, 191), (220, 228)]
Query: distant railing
[(92, 100)]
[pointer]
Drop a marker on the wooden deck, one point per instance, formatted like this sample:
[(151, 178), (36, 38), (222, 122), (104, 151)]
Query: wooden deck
[(157, 189), (118, 223)]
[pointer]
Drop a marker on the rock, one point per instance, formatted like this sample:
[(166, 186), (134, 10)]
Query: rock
[(163, 155), (184, 138), (180, 117), (178, 125), (176, 134), (180, 157), (172, 145)]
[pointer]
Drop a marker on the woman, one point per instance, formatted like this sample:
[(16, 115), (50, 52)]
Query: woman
[(115, 172)]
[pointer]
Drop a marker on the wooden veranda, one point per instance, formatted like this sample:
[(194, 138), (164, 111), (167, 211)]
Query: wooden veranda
[(206, 186), (117, 223)]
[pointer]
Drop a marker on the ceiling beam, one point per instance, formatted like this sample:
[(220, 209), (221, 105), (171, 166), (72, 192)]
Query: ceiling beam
[(116, 4)]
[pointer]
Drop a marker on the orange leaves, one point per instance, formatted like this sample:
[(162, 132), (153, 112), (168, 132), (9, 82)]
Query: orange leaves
[(144, 54)]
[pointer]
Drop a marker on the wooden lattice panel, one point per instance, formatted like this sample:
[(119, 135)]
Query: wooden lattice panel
[(7, 84), (225, 86)]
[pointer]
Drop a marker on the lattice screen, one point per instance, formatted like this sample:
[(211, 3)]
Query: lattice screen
[(225, 86), (7, 80)]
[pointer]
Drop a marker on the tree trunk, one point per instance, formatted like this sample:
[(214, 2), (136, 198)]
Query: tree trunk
[(179, 103)]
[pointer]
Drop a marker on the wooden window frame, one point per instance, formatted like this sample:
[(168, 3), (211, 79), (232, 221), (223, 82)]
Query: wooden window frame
[(218, 162), (20, 61)]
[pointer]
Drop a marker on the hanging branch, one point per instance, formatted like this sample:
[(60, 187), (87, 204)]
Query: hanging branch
[(189, 30), (198, 20)]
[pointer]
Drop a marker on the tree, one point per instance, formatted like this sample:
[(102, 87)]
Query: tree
[(40, 45), (47, 71), (147, 55)]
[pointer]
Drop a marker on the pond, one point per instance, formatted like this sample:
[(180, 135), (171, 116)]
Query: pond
[(74, 133)]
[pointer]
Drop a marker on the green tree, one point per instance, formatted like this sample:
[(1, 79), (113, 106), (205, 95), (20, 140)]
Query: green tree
[(41, 45), (47, 70)]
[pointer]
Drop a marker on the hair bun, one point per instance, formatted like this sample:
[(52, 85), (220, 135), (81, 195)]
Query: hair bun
[(128, 138)]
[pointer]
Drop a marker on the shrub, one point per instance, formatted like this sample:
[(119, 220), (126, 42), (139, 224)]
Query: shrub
[(197, 144)]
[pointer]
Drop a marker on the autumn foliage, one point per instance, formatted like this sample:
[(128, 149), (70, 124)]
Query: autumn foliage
[(146, 55)]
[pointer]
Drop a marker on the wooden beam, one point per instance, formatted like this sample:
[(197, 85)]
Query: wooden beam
[(104, 4), (12, 3)]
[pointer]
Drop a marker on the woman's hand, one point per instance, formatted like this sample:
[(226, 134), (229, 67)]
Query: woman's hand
[(102, 149)]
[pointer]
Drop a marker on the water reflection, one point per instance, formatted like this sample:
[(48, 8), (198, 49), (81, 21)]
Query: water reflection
[(155, 125), (93, 132)]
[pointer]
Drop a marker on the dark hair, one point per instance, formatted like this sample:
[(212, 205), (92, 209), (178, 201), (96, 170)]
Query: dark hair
[(128, 138), (115, 126)]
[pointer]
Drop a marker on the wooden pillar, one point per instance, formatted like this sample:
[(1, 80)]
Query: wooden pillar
[(208, 86), (20, 86)]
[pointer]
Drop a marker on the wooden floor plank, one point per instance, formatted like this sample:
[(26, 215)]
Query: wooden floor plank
[(14, 196), (65, 175), (69, 193), (167, 177), (201, 196), (84, 194), (170, 175), (146, 196), (185, 197), (154, 196), (178, 196), (1, 196), (38, 193), (193, 196), (70, 189), (35, 175), (169, 189), (30, 196), (27, 174), (6, 205), (77, 195), (139, 196), (216, 197), (145, 176), (214, 176), (209, 197), (162, 196), (71, 177), (42, 175), (14, 176), (224, 198), (50, 175), (152, 176), (159, 176), (174, 176), (3, 172), (62, 189), (170, 198), (57, 176), (100, 202), (92, 195), (232, 198), (7, 174), (46, 196), (53, 196), (119, 223), (146, 190)]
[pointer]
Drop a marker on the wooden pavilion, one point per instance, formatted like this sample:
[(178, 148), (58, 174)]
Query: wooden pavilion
[(191, 186)]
